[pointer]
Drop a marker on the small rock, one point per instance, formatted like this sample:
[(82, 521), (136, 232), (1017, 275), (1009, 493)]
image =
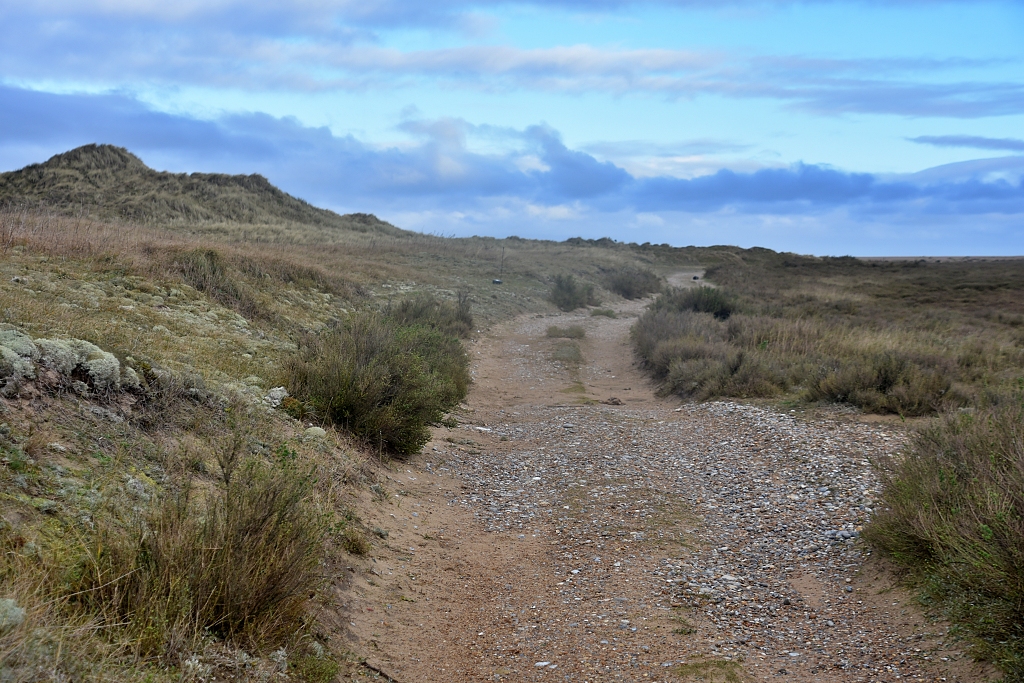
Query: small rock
[(11, 615), (274, 398), (314, 433)]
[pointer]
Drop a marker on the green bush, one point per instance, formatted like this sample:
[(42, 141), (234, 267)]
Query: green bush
[(952, 513), (568, 294), (885, 383), (571, 332), (633, 283), (451, 318), (383, 381), (701, 299), (239, 563), (606, 312)]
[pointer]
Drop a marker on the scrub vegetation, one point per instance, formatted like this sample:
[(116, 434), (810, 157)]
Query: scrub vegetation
[(171, 346), (937, 339), (166, 511)]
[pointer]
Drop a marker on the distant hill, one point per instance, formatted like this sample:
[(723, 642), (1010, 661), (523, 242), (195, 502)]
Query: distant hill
[(107, 182)]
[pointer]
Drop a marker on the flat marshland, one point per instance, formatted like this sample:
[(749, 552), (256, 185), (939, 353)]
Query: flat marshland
[(205, 385)]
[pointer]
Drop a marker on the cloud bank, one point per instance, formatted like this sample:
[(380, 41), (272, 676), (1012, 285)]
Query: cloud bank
[(333, 46), (972, 141), (439, 180)]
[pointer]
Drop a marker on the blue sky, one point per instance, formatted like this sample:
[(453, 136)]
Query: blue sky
[(831, 127)]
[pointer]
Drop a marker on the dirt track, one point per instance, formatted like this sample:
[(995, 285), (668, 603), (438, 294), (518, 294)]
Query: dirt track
[(555, 537)]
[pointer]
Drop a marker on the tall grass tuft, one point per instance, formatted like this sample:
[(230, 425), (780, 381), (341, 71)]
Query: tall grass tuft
[(207, 271), (569, 294), (953, 516), (238, 562), (383, 381), (452, 318)]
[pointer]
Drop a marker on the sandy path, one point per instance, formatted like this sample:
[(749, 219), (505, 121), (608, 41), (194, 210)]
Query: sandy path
[(554, 537)]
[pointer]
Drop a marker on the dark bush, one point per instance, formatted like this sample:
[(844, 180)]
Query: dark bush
[(239, 562), (633, 283), (701, 299), (953, 515), (385, 382), (568, 294), (451, 318)]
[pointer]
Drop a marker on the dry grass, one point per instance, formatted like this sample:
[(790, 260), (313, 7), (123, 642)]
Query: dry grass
[(238, 562), (571, 332), (841, 330)]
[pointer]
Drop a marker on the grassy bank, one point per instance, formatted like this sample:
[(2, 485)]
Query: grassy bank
[(907, 338), (937, 339), (953, 518)]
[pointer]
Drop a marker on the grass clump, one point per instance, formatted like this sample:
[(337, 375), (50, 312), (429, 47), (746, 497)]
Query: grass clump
[(701, 299), (238, 563), (571, 332), (383, 381), (953, 516), (691, 355), (452, 318), (633, 282), (208, 272), (889, 382), (606, 312), (569, 294), (568, 352)]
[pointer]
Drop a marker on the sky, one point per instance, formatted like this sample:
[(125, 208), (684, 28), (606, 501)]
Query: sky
[(863, 127)]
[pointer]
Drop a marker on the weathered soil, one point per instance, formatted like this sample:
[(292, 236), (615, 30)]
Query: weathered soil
[(558, 534)]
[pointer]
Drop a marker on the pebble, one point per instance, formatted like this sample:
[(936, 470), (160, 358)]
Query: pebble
[(774, 497)]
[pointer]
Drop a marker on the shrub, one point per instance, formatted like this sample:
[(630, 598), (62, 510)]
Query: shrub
[(633, 283), (571, 332), (451, 318), (354, 542), (238, 563), (659, 326), (701, 299), (384, 382), (568, 294), (606, 312), (953, 515), (886, 383)]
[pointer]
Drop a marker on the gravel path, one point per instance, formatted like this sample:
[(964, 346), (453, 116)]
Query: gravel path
[(652, 541)]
